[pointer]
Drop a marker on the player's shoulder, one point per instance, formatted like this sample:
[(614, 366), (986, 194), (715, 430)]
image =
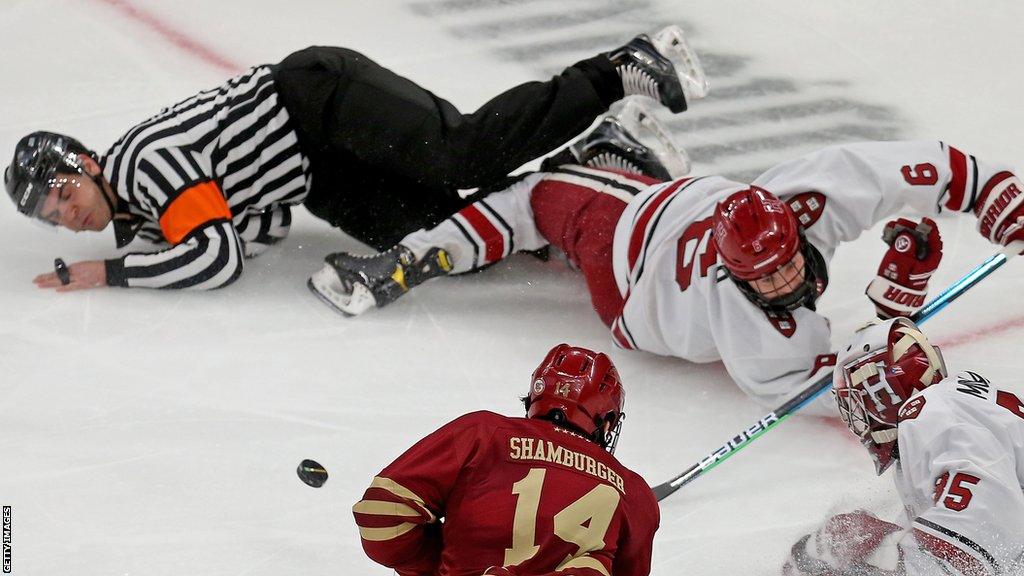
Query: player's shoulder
[(491, 422), (950, 400), (480, 419), (476, 431), (710, 189), (644, 500)]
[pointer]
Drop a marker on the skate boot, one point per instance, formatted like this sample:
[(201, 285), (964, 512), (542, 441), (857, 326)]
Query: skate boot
[(663, 68), (353, 284), (630, 140)]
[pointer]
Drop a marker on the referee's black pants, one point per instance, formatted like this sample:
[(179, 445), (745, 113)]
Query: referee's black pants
[(389, 157)]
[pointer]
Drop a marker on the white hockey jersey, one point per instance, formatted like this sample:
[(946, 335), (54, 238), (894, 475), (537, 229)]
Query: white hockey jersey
[(961, 477), (678, 301)]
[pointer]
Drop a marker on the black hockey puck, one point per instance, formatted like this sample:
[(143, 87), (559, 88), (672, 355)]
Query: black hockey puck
[(62, 271), (312, 473)]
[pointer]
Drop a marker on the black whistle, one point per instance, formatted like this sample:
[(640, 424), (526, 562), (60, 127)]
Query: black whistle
[(62, 271)]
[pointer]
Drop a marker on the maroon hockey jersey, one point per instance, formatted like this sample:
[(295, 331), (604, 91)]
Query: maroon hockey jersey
[(513, 492)]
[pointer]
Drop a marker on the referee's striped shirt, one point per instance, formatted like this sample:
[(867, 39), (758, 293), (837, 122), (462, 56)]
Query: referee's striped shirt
[(213, 177)]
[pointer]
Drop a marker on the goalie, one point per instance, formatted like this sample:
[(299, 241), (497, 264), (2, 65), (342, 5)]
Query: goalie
[(957, 443)]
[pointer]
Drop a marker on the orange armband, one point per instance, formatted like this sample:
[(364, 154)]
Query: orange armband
[(193, 208)]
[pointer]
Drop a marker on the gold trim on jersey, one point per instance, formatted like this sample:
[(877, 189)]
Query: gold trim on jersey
[(381, 534), (402, 492), (535, 449), (384, 508), (585, 562)]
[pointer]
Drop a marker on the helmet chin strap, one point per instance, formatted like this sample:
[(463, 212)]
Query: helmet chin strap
[(103, 193)]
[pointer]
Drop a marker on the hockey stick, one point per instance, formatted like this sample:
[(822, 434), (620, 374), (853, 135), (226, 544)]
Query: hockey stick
[(780, 414)]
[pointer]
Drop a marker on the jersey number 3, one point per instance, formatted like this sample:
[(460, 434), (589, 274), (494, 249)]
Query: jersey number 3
[(695, 246), (583, 523)]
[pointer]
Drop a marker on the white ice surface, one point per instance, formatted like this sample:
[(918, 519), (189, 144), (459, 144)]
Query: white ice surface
[(146, 432)]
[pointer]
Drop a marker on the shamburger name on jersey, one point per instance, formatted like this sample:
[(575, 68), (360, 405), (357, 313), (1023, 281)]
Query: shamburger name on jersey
[(524, 448)]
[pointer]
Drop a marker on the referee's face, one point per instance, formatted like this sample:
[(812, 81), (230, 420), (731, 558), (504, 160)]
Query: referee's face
[(75, 202)]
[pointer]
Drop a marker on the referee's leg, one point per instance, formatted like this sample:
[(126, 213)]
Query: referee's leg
[(402, 127)]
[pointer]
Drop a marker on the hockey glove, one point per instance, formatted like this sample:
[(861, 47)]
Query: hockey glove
[(915, 251), (848, 544), (1000, 211)]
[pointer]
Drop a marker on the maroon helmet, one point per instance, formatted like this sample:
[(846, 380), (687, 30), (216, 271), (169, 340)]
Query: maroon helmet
[(755, 234), (884, 365), (579, 389)]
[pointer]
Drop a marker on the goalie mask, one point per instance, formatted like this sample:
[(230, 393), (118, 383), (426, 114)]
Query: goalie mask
[(884, 365), (41, 161), (765, 253), (579, 389)]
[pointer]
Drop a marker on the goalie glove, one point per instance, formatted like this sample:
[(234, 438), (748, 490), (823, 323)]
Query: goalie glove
[(901, 285), (1000, 211), (853, 544)]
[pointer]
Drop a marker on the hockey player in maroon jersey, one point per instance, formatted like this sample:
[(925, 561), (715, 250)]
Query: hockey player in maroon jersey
[(212, 179), (958, 446), (710, 269), (503, 496)]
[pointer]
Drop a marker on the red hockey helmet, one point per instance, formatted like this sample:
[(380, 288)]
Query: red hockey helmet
[(755, 234), (884, 365), (580, 389)]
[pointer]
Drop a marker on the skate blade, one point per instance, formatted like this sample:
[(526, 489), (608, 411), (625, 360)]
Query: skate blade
[(639, 122), (326, 285), (671, 42)]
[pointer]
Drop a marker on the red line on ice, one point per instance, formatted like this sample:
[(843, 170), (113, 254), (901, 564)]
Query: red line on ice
[(176, 37), (982, 333)]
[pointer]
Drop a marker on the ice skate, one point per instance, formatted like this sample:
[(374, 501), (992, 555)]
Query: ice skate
[(631, 140), (353, 284), (664, 68)]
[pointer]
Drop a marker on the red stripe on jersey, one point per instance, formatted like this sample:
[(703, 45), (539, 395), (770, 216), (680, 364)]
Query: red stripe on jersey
[(992, 183), (620, 338), (967, 565), (958, 182), (494, 242), (636, 239)]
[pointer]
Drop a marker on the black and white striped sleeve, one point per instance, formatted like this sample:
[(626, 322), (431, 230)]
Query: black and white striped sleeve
[(259, 231), (209, 258), (195, 219)]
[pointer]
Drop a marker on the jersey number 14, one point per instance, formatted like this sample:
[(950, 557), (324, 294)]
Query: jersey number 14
[(583, 523)]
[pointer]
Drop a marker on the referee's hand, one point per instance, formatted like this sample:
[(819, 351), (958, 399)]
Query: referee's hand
[(90, 274)]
